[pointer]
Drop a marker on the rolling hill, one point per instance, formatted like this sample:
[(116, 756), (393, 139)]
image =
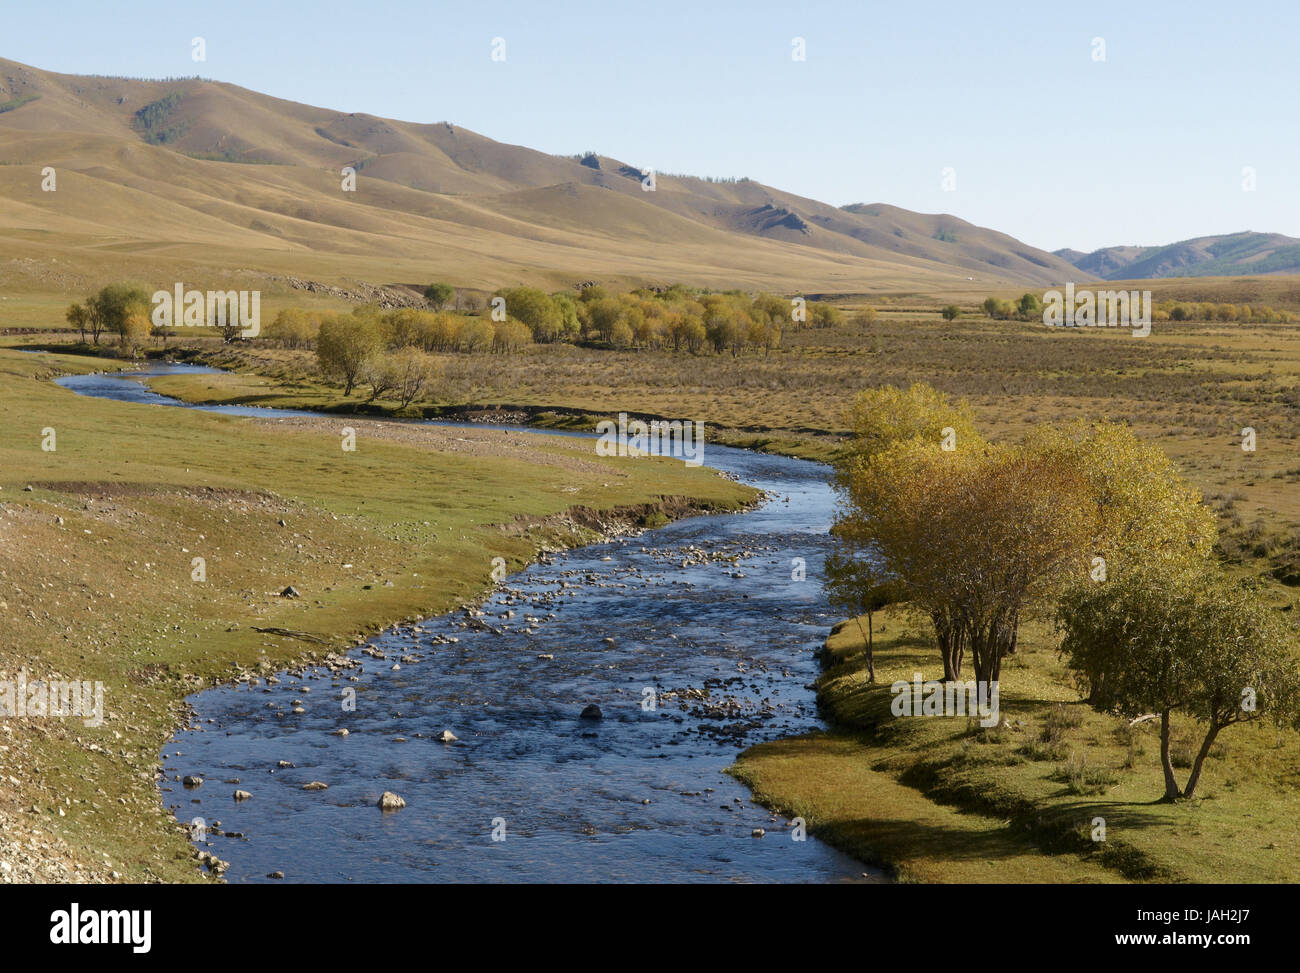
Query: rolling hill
[(1232, 254), (194, 180)]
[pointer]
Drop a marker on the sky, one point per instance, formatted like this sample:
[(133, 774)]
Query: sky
[(1065, 125)]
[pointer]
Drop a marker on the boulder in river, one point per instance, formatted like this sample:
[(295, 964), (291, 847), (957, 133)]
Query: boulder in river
[(192, 780), (242, 795), (446, 736), (591, 712), (315, 786), (389, 801)]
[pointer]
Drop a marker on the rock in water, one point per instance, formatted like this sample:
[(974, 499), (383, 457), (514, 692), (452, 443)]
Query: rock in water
[(591, 712), (192, 781), (446, 736), (390, 801), (315, 786), (242, 795)]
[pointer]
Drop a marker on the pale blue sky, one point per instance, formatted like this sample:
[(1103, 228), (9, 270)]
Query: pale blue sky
[(1048, 144)]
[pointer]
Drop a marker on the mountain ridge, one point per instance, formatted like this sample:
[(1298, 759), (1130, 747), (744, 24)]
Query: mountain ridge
[(192, 169), (1223, 255)]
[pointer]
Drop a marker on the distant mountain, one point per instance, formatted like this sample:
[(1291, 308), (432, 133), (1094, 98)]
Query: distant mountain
[(1230, 255), (158, 176)]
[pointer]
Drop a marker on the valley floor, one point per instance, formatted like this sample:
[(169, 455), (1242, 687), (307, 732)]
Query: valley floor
[(936, 799)]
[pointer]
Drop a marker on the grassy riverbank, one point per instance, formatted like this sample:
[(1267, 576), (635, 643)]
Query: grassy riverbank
[(941, 799), (263, 379), (97, 574)]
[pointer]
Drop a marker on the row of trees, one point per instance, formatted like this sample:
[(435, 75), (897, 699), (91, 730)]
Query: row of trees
[(1211, 311), (118, 309), (1030, 308), (367, 348), (1080, 520), (676, 319), (428, 331)]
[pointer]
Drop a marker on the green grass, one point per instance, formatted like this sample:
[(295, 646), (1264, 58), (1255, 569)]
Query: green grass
[(942, 799), (18, 102), (393, 531)]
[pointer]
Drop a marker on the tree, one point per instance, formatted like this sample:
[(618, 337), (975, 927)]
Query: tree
[(621, 336), (1193, 641), (568, 311), (602, 313), (135, 328), (974, 534), (476, 334), (439, 295), (108, 309), (412, 372), (95, 318), (78, 318), (379, 374), (888, 506), (345, 346), (537, 310), (893, 509), (825, 315), (996, 307), (1147, 512), (294, 328), (508, 336), (856, 586), (951, 312), (1022, 530), (1146, 516), (1029, 307), (882, 417), (721, 323)]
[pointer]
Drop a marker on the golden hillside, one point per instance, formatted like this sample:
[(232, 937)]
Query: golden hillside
[(192, 179)]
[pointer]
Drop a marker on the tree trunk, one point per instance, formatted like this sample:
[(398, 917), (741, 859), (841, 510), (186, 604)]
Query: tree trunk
[(871, 649), (947, 637), (1014, 641), (984, 653), (1200, 759), (866, 637), (1171, 785)]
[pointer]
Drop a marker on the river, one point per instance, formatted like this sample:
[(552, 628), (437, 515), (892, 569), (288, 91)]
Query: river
[(696, 640)]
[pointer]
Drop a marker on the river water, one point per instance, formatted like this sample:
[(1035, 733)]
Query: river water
[(695, 640)]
